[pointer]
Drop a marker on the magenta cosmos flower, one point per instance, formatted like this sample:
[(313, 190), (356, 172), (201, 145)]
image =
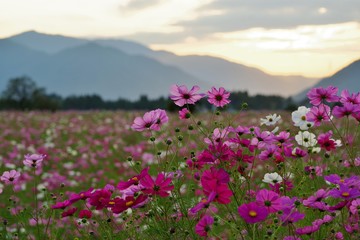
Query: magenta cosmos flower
[(253, 213), (318, 114), (318, 95), (269, 199), (134, 180), (33, 160), (346, 110), (10, 177), (181, 95), (326, 142), (119, 205), (346, 97), (204, 225), (218, 98), (161, 186), (100, 198)]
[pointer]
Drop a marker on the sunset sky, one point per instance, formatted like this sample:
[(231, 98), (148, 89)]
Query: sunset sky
[(314, 38)]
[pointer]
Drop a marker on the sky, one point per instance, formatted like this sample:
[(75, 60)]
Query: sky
[(313, 38)]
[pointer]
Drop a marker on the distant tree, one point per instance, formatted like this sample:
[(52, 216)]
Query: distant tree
[(22, 93), (19, 92)]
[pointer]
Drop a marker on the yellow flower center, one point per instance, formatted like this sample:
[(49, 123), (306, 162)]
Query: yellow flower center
[(342, 180), (135, 179), (111, 203), (129, 203), (252, 213), (345, 194)]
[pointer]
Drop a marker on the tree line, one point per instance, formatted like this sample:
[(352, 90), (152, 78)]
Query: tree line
[(22, 93)]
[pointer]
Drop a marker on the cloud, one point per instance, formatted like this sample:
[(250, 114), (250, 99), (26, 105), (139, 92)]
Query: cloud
[(235, 15), (135, 5)]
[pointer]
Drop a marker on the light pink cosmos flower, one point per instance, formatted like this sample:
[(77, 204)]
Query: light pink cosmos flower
[(218, 98), (33, 160), (181, 95), (10, 177), (151, 120), (184, 113)]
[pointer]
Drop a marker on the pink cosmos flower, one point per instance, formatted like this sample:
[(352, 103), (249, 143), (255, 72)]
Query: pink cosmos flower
[(346, 110), (318, 114), (262, 139), (213, 177), (151, 120), (326, 142), (269, 152), (161, 186), (355, 206), (33, 160), (134, 180), (85, 214), (269, 199), (291, 216), (181, 95), (223, 194), (69, 212), (119, 205), (252, 213), (307, 230), (160, 119), (10, 177), (345, 192), (339, 236), (74, 197), (61, 205), (184, 113), (204, 203), (100, 198), (204, 225), (218, 98), (318, 95), (346, 97), (316, 200)]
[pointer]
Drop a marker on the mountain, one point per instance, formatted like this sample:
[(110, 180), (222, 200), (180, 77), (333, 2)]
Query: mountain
[(91, 68), (158, 66), (234, 76), (45, 42), (16, 60), (346, 78)]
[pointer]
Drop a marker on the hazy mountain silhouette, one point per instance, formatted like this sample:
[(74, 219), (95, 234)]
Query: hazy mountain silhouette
[(46, 43), (91, 68), (234, 76), (72, 66), (346, 78)]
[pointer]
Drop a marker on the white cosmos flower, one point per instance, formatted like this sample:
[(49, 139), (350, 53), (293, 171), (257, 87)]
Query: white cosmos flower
[(299, 118), (306, 139), (315, 150), (270, 120), (272, 178), (337, 143)]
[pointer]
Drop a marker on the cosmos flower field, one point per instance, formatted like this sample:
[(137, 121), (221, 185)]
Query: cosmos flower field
[(183, 175)]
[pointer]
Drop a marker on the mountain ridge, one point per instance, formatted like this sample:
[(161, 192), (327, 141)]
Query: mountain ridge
[(198, 69)]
